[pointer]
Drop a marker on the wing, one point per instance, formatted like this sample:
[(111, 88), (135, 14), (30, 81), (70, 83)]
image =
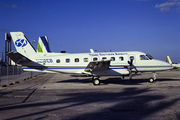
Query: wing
[(98, 66)]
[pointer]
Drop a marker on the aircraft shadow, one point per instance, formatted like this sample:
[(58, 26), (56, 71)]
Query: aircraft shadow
[(116, 81), (133, 81), (130, 103)]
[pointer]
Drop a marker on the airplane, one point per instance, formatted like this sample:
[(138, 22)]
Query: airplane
[(95, 64), (43, 45), (175, 65)]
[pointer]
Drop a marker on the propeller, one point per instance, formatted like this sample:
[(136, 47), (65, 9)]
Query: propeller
[(130, 62), (131, 67)]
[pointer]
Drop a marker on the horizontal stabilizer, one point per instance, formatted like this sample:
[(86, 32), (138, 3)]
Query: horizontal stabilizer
[(97, 66), (18, 58)]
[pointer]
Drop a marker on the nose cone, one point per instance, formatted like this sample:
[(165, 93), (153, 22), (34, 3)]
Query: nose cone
[(164, 65)]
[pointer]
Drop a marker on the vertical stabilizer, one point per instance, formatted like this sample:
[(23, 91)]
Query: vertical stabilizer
[(22, 45), (43, 45), (168, 60)]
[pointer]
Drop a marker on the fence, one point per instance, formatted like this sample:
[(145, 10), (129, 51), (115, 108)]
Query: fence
[(13, 74)]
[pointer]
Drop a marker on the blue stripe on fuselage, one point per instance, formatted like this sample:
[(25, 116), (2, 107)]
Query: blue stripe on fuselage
[(65, 68), (85, 68)]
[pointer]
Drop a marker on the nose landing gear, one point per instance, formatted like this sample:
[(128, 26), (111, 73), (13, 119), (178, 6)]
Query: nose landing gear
[(152, 78)]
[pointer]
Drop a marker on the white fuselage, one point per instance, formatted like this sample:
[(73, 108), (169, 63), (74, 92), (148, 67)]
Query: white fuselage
[(77, 63)]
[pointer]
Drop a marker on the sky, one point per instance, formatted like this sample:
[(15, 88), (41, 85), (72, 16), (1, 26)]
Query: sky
[(150, 26)]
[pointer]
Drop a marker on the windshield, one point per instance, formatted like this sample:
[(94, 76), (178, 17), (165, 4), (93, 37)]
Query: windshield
[(143, 57), (149, 56)]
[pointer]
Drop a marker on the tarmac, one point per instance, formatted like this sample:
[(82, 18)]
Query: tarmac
[(73, 97)]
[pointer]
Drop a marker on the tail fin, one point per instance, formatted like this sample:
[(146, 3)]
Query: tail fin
[(43, 45), (168, 60), (22, 44)]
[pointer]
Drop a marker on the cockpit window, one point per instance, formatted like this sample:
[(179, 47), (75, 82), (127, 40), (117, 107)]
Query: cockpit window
[(143, 57), (149, 56)]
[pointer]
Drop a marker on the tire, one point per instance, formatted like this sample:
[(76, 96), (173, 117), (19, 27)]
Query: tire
[(96, 82), (151, 80)]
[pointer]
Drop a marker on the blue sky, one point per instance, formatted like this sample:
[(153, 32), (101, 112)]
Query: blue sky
[(150, 26)]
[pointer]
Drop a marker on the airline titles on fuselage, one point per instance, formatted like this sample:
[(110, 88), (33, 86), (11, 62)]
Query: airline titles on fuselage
[(106, 54)]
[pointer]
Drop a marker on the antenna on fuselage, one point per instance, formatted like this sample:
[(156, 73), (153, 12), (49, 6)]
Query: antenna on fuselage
[(92, 51)]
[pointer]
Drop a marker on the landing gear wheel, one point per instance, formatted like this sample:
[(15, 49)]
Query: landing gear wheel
[(151, 80), (154, 75), (96, 82)]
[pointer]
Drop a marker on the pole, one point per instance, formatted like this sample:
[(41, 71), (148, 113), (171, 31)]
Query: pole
[(5, 52), (10, 51), (7, 47), (2, 57)]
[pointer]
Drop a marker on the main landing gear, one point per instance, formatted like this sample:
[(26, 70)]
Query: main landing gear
[(152, 78), (96, 81)]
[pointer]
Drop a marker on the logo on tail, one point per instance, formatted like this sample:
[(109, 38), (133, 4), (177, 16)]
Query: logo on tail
[(21, 42)]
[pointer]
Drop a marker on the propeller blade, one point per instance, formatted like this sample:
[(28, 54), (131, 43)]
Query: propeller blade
[(131, 67), (130, 62)]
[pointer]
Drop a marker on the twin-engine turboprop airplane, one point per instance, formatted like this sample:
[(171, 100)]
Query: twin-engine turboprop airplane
[(96, 64)]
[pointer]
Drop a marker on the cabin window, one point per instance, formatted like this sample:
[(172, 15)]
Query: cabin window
[(67, 60), (131, 57), (112, 58), (95, 59), (76, 59), (104, 58), (85, 59), (58, 61), (121, 58), (143, 57)]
